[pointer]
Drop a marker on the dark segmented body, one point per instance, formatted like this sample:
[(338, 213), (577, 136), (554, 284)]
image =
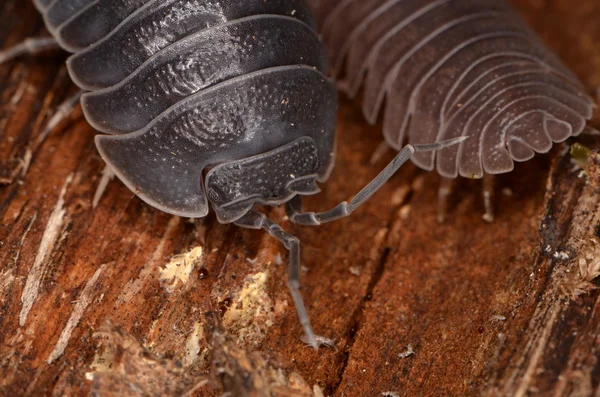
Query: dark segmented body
[(450, 68), (189, 84)]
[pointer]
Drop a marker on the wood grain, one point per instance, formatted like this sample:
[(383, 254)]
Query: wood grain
[(121, 299)]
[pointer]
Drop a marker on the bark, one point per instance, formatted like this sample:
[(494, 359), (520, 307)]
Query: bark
[(122, 299)]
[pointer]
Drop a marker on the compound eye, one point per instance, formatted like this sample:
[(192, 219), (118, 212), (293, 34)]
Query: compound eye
[(216, 196)]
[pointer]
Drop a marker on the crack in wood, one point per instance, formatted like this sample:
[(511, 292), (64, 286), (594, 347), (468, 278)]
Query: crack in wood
[(401, 200)]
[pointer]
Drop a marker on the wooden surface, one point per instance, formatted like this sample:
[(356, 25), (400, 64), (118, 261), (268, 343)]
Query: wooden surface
[(121, 299)]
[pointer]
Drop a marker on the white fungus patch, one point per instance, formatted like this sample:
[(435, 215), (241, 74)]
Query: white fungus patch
[(251, 313), (317, 392), (581, 281), (193, 351), (561, 255), (407, 353), (180, 267)]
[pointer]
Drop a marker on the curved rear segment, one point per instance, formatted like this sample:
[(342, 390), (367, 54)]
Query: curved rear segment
[(441, 69), (236, 119)]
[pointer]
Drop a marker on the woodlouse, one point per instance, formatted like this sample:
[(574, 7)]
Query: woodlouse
[(233, 88), (442, 69)]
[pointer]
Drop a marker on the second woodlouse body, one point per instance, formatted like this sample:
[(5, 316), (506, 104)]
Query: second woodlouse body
[(441, 69), (233, 88)]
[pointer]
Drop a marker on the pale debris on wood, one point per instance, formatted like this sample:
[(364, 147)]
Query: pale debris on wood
[(355, 270), (25, 162), (561, 255), (404, 212), (278, 259), (317, 391), (49, 238), (82, 303), (399, 195), (193, 351), (133, 286), (247, 373), (126, 368), (19, 92), (6, 279), (588, 268), (180, 267), (252, 312), (27, 230), (409, 352)]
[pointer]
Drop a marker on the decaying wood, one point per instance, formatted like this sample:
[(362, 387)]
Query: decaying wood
[(122, 299)]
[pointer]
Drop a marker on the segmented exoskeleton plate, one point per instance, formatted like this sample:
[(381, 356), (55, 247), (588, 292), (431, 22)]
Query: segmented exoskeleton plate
[(441, 69), (188, 84)]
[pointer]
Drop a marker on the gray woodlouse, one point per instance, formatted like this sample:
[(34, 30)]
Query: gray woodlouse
[(233, 88), (442, 69)]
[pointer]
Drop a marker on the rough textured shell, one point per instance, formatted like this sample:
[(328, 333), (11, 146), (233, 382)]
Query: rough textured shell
[(184, 85), (448, 68)]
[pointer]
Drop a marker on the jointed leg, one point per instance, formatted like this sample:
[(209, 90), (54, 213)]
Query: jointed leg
[(381, 149), (256, 220), (443, 192), (30, 46), (64, 110), (346, 208), (488, 197)]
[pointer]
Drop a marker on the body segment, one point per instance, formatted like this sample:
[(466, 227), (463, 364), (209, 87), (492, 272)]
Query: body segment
[(441, 69)]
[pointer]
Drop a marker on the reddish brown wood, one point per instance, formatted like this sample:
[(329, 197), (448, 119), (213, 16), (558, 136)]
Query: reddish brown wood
[(416, 308)]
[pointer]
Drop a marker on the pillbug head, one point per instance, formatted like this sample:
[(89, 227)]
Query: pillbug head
[(270, 178)]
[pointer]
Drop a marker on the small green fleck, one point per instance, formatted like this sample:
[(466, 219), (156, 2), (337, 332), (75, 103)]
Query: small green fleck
[(581, 154)]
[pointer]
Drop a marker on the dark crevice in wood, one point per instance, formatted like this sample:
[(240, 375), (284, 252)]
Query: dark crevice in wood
[(357, 318), (358, 315)]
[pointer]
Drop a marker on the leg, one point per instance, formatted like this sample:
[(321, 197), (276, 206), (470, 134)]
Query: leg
[(488, 197), (107, 176), (256, 220), (444, 191), (379, 152), (30, 46), (344, 209), (64, 110)]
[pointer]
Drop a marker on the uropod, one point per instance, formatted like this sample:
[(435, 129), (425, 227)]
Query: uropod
[(221, 103), (442, 69)]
